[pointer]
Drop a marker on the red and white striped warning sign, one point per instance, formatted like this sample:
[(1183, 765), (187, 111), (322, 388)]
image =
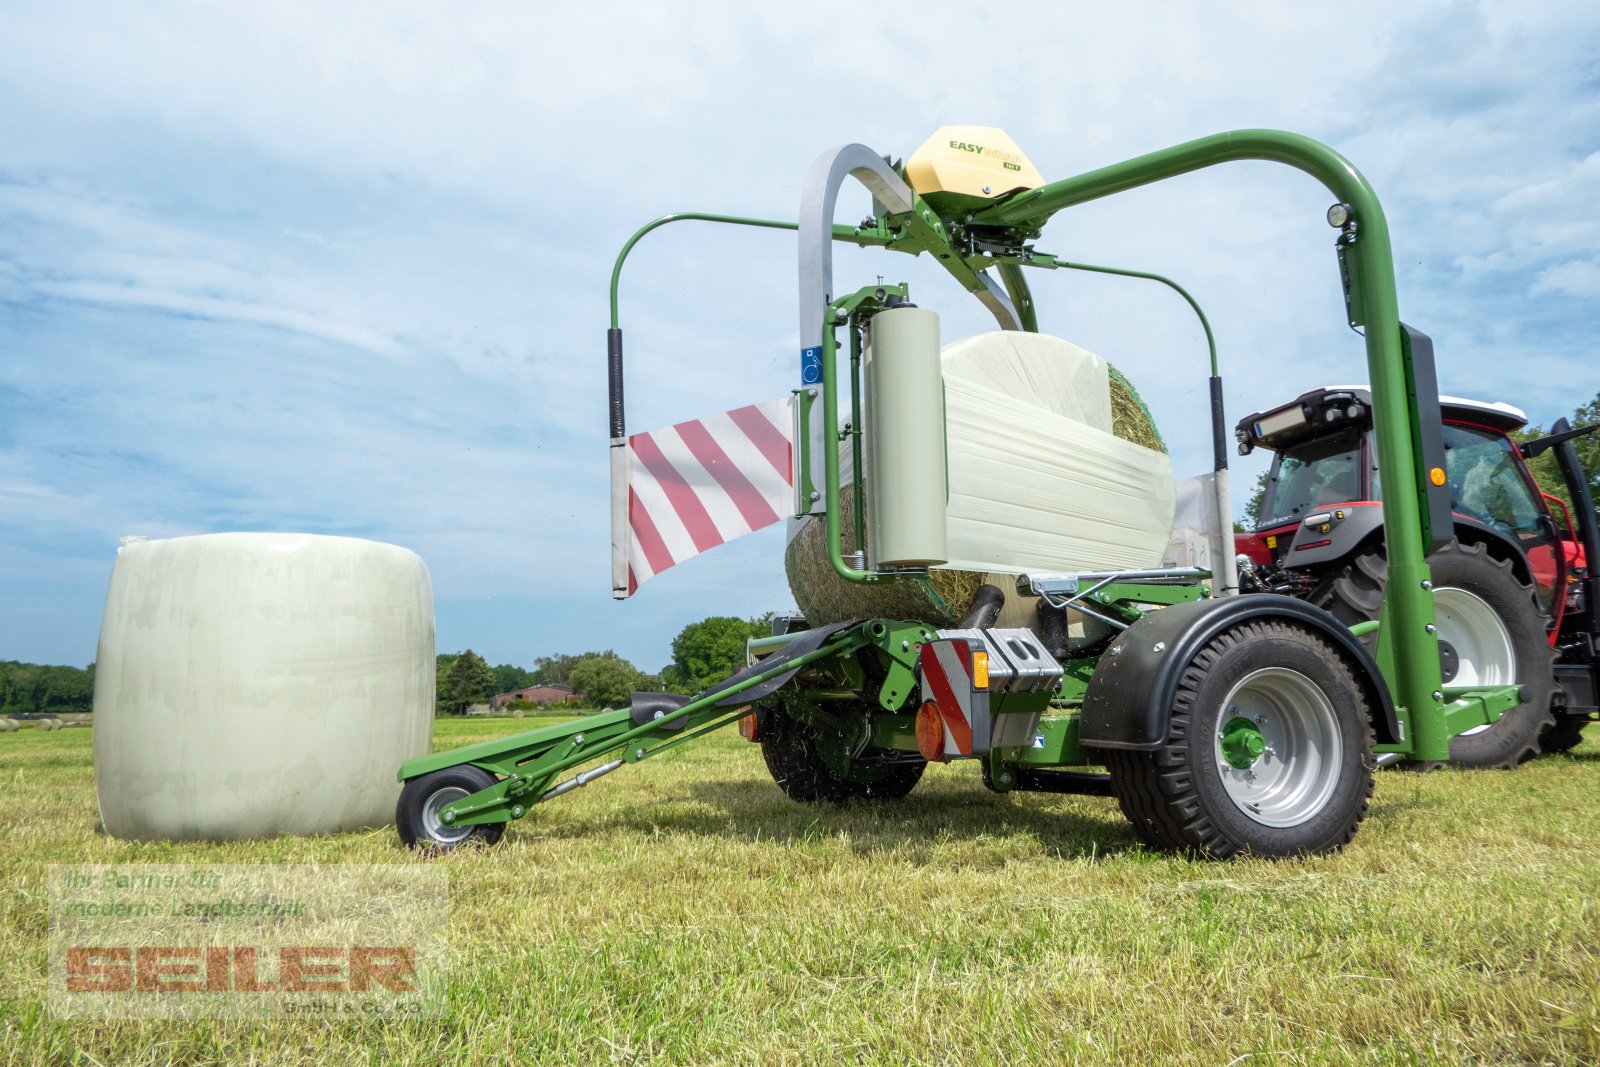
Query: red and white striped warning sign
[(954, 717), (698, 484)]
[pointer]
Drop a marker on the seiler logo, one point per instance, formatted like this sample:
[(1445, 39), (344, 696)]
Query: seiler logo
[(240, 969)]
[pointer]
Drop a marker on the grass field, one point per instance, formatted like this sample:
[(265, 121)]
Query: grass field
[(684, 911)]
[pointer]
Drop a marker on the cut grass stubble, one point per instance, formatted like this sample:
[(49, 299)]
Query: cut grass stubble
[(685, 911)]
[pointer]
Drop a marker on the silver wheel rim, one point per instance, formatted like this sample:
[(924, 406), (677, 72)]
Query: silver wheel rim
[(1292, 780), (1482, 644), (433, 825)]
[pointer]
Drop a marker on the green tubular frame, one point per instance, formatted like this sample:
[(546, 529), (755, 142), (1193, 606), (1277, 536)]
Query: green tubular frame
[(1413, 669), (857, 236)]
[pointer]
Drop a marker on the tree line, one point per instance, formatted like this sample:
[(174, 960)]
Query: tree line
[(703, 653), (39, 689)]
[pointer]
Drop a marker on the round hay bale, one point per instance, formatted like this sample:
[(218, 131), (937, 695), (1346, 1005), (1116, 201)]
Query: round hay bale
[(8, 726), (944, 596), (42, 725)]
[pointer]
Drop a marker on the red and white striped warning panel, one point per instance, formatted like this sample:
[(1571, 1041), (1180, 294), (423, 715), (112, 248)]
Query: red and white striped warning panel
[(954, 718), (697, 484)]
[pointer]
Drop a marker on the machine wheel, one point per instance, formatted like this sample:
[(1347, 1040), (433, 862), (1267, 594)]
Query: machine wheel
[(416, 816), (1563, 735), (1268, 751), (791, 755), (1490, 633)]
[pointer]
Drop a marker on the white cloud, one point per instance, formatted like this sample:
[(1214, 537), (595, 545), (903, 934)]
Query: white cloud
[(344, 266)]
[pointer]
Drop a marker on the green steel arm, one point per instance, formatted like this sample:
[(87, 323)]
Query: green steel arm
[(1124, 272), (528, 762), (1408, 603), (847, 234)]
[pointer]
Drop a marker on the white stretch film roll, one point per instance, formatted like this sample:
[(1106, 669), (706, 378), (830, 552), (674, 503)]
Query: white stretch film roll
[(905, 431), (249, 685)]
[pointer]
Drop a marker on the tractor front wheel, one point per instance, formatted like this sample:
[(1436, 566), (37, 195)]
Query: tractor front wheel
[(1268, 750)]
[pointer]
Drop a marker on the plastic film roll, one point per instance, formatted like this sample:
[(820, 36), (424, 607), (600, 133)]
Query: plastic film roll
[(905, 440)]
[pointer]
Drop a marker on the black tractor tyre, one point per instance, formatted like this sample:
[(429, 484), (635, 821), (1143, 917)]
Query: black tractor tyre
[(790, 752), (1307, 795), (1563, 735), (416, 815), (1355, 595)]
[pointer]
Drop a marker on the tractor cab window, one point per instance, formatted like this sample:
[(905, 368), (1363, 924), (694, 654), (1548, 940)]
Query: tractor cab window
[(1487, 484), (1486, 481), (1310, 475)]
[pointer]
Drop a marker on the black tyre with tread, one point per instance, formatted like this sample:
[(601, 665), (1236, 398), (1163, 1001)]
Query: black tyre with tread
[(1356, 595), (415, 815), (1176, 796), (1563, 735), (790, 752)]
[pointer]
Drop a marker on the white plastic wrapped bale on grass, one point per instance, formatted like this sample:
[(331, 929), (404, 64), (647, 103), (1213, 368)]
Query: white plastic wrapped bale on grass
[(252, 684)]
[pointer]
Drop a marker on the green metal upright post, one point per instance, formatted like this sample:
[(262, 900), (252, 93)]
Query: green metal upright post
[(1408, 602)]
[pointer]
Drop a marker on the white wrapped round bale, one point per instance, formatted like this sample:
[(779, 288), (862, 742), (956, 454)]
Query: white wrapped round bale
[(254, 684)]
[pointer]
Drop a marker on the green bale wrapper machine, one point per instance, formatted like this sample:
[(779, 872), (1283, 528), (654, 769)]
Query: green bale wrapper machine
[(1222, 723)]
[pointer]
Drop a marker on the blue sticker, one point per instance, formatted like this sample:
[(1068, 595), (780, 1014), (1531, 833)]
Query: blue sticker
[(1038, 740), (811, 365)]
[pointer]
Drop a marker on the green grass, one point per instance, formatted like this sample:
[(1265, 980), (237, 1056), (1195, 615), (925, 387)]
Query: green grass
[(684, 911)]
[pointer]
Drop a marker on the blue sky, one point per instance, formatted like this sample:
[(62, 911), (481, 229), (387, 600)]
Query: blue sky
[(342, 268)]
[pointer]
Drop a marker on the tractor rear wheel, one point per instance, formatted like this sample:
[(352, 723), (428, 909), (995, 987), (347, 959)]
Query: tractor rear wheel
[(1268, 750), (1490, 634), (1563, 735), (791, 754)]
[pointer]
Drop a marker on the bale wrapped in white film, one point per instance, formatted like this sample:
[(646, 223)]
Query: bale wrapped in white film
[(1038, 369), (250, 685), (1054, 463), (1033, 490)]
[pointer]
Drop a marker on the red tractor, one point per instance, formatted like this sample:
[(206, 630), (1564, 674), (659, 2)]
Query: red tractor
[(1515, 600)]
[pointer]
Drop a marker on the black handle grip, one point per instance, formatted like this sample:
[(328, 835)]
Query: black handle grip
[(614, 372)]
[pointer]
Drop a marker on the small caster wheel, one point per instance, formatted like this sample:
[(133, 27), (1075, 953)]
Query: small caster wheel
[(417, 816)]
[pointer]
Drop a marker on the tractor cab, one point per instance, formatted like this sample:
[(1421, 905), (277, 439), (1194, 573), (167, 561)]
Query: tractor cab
[(1320, 505)]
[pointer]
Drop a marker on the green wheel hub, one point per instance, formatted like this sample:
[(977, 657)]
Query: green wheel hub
[(1242, 744)]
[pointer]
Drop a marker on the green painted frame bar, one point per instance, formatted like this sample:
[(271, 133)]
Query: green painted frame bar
[(1408, 601), (847, 234), (1055, 263), (529, 761)]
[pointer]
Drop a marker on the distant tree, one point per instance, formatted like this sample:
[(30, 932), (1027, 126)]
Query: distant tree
[(607, 679), (1547, 472), (67, 689), (466, 682), (1252, 507), (553, 670), (706, 652), (441, 681), (32, 688), (1588, 448)]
